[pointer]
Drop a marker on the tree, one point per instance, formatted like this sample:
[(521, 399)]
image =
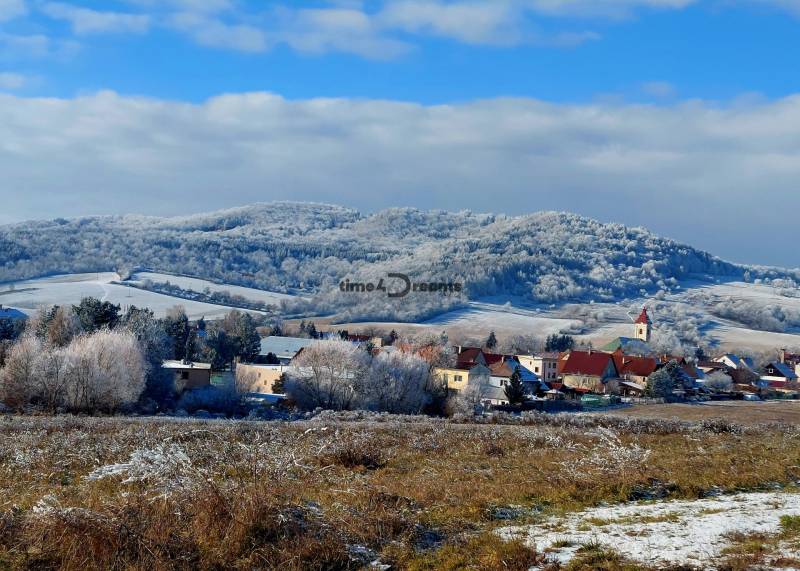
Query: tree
[(219, 348), (660, 384), (106, 372), (491, 342), (94, 314), (241, 329), (156, 347), (327, 374), (311, 330), (56, 326), (559, 343), (396, 382), (393, 336), (277, 329), (515, 390), (718, 381), (18, 377), (176, 325)]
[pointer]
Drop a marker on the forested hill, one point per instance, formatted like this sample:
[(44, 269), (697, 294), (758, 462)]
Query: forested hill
[(546, 257)]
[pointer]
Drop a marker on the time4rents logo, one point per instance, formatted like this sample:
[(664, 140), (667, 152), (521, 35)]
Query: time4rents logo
[(397, 285)]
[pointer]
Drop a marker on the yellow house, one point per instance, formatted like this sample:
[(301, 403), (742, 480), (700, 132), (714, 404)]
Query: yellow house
[(454, 378), (258, 378)]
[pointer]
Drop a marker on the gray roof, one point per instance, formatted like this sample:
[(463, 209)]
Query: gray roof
[(9, 313), (284, 347)]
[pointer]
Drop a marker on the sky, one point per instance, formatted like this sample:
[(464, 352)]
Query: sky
[(682, 116)]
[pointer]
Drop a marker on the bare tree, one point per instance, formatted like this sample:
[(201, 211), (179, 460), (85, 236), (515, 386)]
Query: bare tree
[(18, 377), (396, 382), (106, 371), (327, 374), (719, 381), (51, 376)]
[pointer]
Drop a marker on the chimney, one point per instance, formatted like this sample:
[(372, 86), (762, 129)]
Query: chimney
[(783, 351)]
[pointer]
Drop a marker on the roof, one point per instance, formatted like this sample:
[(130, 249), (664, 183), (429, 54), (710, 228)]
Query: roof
[(738, 362), (186, 366), (593, 363), (627, 345), (284, 347), (506, 367), (784, 370), (633, 385), (643, 317), (10, 313), (637, 366), (475, 354)]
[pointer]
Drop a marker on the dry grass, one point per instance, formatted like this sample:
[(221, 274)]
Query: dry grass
[(84, 493), (747, 413)]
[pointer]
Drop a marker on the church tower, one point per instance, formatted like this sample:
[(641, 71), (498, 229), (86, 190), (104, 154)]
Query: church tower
[(643, 326)]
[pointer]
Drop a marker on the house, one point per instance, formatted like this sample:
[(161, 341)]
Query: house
[(189, 375), (736, 362), (633, 368), (261, 379), (790, 359), (591, 370), (501, 372), (470, 356), (778, 375), (544, 365), (477, 379), (11, 314), (283, 348)]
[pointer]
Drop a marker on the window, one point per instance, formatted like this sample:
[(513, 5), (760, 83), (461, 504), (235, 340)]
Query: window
[(184, 375), (536, 369), (457, 378)]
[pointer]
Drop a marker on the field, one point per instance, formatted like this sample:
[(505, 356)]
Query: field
[(349, 490), (741, 412), (29, 295)]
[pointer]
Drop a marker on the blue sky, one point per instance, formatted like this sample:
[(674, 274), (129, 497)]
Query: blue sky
[(680, 115)]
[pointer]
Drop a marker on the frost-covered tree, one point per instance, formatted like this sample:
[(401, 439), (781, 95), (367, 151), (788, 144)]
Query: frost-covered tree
[(718, 381), (94, 314), (19, 376), (106, 372), (327, 374), (395, 382)]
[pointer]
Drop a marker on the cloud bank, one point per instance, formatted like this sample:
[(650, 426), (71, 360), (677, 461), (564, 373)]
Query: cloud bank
[(724, 178)]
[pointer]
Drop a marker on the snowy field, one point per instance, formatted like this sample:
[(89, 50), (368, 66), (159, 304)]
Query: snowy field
[(200, 285), (29, 295), (663, 533)]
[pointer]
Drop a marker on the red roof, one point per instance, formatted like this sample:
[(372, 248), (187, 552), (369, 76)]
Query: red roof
[(470, 357), (593, 363), (643, 317), (637, 366)]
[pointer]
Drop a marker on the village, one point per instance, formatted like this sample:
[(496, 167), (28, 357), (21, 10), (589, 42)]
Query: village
[(624, 370)]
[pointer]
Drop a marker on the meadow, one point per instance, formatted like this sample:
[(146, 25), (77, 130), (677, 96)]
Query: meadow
[(352, 490)]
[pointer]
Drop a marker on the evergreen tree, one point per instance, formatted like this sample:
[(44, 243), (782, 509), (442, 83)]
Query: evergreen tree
[(491, 342), (661, 383), (176, 324), (393, 336), (277, 329), (94, 314), (311, 329), (515, 390)]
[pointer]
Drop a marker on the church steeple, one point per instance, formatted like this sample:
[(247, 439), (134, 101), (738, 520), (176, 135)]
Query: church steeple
[(643, 326)]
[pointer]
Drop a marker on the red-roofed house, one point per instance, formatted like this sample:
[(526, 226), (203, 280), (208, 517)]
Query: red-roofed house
[(589, 370), (636, 369)]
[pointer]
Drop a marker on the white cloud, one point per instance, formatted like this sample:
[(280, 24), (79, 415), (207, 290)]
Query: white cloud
[(693, 170), (26, 46), (10, 9), (11, 81), (659, 89), (211, 32), (86, 21)]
